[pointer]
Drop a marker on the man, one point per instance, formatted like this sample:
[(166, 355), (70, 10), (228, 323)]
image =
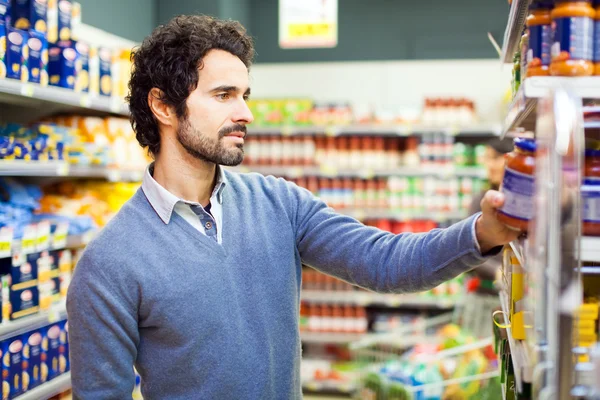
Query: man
[(197, 280)]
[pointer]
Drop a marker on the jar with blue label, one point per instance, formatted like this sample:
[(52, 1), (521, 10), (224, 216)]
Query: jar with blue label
[(573, 46), (518, 186), (597, 39), (539, 25), (590, 194)]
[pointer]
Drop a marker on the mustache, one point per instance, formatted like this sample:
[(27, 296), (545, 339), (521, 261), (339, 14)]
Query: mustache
[(233, 128)]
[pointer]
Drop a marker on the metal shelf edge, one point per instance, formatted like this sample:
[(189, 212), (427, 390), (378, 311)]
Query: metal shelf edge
[(48, 389), (12, 328)]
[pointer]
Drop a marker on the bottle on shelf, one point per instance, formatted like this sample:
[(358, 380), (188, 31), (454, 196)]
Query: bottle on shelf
[(539, 24)]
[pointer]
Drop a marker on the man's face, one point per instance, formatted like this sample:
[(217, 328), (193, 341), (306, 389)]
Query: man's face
[(494, 163), (217, 111)]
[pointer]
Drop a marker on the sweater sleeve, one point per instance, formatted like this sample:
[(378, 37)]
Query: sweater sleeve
[(381, 261), (103, 334)]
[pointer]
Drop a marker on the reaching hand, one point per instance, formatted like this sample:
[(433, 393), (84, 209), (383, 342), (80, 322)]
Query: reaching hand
[(490, 231)]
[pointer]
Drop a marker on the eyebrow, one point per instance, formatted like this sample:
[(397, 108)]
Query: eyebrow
[(229, 89)]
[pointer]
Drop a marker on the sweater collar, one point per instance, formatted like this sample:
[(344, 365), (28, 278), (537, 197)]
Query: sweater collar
[(164, 201)]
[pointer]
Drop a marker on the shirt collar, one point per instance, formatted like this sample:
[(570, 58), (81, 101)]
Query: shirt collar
[(164, 201)]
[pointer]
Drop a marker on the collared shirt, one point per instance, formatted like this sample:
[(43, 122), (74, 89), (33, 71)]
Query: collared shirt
[(165, 202)]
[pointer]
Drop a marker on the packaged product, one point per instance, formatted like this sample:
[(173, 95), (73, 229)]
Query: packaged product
[(94, 64), (12, 367), (597, 40), (24, 300), (16, 54), (62, 64), (105, 71), (5, 12), (32, 360), (30, 15), (51, 351), (37, 62), (590, 193), (82, 83), (75, 20), (64, 363), (25, 268), (573, 46), (539, 23), (3, 69), (52, 21), (518, 185)]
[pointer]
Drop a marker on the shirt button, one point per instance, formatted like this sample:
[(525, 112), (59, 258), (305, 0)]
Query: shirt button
[(208, 225)]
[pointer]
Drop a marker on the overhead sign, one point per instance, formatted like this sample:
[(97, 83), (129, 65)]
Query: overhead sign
[(308, 23)]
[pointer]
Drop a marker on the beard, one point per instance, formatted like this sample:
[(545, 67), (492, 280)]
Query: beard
[(211, 150)]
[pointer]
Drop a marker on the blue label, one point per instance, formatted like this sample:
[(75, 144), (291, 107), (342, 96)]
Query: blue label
[(590, 199), (597, 42), (50, 359), (573, 38), (32, 360), (24, 302), (519, 190), (540, 42), (16, 40), (64, 361), (12, 357)]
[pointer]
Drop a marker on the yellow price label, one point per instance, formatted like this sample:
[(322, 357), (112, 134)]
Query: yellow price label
[(28, 244), (5, 247), (62, 169), (367, 174), (43, 239), (331, 131), (287, 131), (305, 30), (27, 90), (85, 101), (328, 170)]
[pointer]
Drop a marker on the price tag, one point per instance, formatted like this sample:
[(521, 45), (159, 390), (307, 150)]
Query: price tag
[(332, 130), (87, 237), (53, 315), (287, 131), (394, 301), (294, 172), (29, 240), (6, 239), (364, 299), (406, 130), (114, 175), (62, 169), (367, 173), (59, 240), (116, 105), (43, 236), (314, 386), (85, 101), (454, 131), (328, 170), (27, 90)]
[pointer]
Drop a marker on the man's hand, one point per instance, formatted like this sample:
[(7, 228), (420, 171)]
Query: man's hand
[(490, 231)]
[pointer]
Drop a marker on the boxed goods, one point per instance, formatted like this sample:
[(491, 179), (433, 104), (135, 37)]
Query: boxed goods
[(105, 71), (32, 360), (59, 20), (24, 301), (51, 350), (30, 14), (62, 64), (82, 83), (3, 43), (64, 362), (16, 54), (12, 367), (37, 63), (5, 12)]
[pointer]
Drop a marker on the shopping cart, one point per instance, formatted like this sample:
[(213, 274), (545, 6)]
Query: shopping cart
[(412, 363)]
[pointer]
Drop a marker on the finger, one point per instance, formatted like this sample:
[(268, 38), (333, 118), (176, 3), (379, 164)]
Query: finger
[(492, 200)]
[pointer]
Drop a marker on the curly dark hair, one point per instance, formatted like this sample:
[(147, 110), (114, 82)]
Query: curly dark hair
[(169, 60)]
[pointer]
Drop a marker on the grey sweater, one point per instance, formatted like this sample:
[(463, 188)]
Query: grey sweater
[(202, 320)]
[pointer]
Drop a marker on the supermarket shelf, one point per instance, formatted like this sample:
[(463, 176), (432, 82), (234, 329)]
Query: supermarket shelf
[(518, 349), (49, 389), (328, 388), (368, 298), (590, 270), (590, 249), (514, 29), (384, 213), (521, 111), (64, 169), (10, 329), (330, 338), (365, 173), (73, 242), (34, 95), (377, 130)]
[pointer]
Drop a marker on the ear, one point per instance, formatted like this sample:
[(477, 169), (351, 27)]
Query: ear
[(164, 113)]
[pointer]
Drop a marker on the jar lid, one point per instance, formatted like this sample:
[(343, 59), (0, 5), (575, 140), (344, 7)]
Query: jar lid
[(526, 144), (592, 153), (541, 5)]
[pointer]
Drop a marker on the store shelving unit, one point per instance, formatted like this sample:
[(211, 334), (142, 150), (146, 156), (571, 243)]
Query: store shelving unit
[(49, 389), (399, 215), (521, 112), (376, 130), (328, 171), (62, 169), (328, 388), (330, 338), (514, 27), (378, 299), (33, 95), (590, 249), (73, 242), (10, 329)]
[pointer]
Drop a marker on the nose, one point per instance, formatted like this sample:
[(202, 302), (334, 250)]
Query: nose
[(243, 114)]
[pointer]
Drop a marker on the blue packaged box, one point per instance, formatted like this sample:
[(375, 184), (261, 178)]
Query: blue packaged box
[(83, 68), (51, 351), (5, 12), (24, 302), (16, 54), (3, 69), (37, 62), (64, 363), (32, 360), (24, 269), (12, 367), (105, 57), (30, 14), (62, 62)]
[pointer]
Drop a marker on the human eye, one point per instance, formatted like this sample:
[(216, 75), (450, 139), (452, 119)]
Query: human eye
[(224, 96)]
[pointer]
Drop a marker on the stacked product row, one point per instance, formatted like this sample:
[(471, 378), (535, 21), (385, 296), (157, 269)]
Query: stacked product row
[(562, 38), (79, 140), (409, 195), (362, 151), (33, 358), (40, 43), (335, 318), (305, 112)]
